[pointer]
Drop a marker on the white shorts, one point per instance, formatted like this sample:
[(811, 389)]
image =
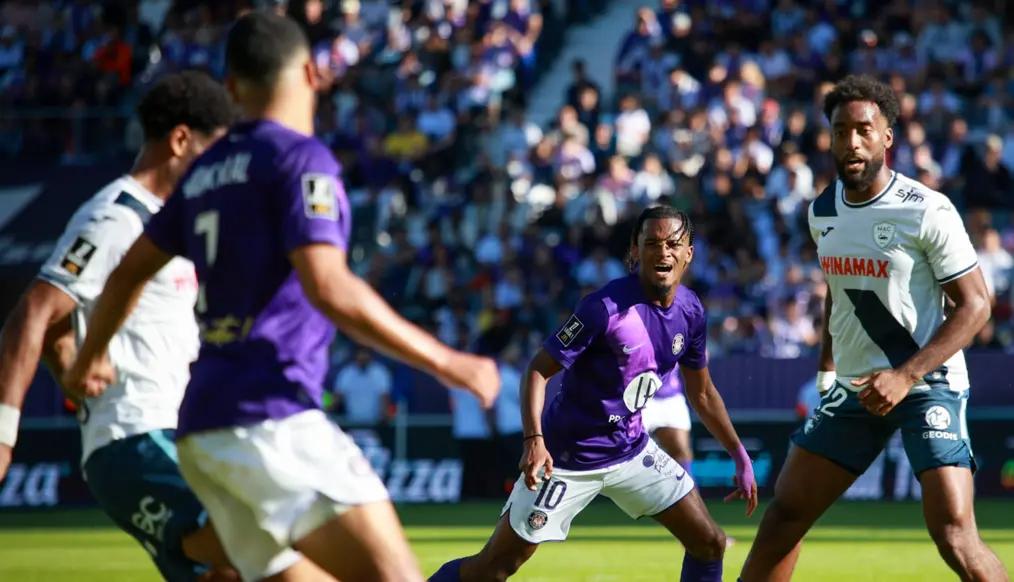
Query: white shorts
[(268, 485), (671, 412), (647, 484)]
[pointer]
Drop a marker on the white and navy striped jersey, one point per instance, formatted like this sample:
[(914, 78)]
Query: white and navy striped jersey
[(153, 349), (885, 261)]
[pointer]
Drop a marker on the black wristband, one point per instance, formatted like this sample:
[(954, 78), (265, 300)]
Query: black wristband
[(531, 436)]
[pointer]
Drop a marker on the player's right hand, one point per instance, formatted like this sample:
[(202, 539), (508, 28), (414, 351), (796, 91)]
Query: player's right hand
[(477, 374), (534, 459), (6, 453), (89, 379)]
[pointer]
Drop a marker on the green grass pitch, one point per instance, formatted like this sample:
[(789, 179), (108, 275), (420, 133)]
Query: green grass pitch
[(855, 541)]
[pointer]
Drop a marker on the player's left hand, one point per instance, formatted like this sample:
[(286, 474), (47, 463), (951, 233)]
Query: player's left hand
[(89, 379), (746, 483), (883, 390)]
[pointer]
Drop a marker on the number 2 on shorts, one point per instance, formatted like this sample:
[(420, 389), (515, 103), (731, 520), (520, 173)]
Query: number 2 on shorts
[(834, 399)]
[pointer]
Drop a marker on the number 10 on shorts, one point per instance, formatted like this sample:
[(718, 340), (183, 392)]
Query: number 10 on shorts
[(551, 494)]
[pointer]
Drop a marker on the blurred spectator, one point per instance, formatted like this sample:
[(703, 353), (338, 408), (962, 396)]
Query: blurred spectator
[(507, 410), (363, 390), (792, 334), (996, 263), (987, 181), (472, 431)]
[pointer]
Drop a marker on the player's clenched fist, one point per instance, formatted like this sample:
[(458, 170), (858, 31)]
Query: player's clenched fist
[(89, 379), (534, 458), (882, 391), (476, 374)]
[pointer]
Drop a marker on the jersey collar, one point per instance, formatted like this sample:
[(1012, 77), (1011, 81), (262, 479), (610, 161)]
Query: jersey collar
[(135, 189), (841, 187)]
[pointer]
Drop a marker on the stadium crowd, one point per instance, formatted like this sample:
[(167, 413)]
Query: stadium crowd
[(475, 220)]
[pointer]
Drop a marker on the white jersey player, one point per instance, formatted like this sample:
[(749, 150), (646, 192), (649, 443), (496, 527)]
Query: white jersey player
[(153, 350), (892, 251), (885, 261)]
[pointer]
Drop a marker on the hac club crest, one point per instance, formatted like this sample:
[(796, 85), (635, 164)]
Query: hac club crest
[(883, 233)]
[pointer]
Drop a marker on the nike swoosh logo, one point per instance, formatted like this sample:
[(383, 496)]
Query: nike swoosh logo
[(630, 349), (825, 232)]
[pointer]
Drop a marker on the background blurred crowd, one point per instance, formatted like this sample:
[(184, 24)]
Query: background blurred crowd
[(487, 226)]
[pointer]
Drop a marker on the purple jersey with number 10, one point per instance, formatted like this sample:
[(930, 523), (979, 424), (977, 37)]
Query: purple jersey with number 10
[(255, 195), (616, 349)]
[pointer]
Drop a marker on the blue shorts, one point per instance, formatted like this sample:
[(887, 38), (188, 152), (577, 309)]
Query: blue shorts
[(137, 482), (932, 423)]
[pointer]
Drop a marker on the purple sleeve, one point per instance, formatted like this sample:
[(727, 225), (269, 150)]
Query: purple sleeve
[(165, 229), (578, 332), (696, 355), (312, 201)]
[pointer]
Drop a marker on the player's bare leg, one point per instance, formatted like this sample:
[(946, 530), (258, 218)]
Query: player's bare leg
[(807, 485), (676, 443), (688, 519), (203, 546), (500, 558), (365, 543), (948, 506)]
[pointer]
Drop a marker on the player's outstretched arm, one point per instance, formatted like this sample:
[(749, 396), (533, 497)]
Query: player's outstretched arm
[(37, 321), (363, 314), (91, 372), (884, 390), (708, 404), (533, 399)]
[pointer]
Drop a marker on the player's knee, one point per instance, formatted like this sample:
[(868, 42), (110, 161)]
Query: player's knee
[(779, 513), (708, 547), (954, 539)]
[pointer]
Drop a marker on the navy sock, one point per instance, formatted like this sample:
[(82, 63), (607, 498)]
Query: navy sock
[(695, 570), (449, 572)]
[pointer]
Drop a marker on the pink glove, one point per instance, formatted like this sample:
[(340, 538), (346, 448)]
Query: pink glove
[(746, 483)]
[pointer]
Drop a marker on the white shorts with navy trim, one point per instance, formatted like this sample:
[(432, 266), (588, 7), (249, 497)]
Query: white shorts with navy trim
[(647, 484)]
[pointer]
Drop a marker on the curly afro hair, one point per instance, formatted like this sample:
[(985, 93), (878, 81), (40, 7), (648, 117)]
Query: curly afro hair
[(863, 88), (189, 98)]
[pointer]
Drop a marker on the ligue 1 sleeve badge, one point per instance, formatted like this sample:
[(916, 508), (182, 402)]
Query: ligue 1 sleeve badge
[(537, 520)]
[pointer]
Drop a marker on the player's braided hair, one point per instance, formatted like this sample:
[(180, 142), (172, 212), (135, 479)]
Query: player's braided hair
[(686, 227), (189, 98), (863, 88)]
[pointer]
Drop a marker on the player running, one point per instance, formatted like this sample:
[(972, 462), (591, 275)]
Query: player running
[(615, 350), (891, 249), (128, 456), (265, 219)]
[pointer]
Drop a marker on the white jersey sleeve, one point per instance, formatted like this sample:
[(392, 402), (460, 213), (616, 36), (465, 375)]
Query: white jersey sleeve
[(94, 243), (944, 240)]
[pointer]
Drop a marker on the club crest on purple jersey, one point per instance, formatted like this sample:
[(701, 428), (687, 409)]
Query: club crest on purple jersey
[(677, 344)]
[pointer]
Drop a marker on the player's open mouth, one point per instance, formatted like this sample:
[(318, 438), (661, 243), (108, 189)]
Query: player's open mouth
[(663, 268), (854, 164)]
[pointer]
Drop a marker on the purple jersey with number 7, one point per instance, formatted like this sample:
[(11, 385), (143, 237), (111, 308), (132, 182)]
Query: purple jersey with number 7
[(616, 348), (255, 195)]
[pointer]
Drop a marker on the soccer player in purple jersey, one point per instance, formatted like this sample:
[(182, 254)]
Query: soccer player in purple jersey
[(263, 216), (614, 350)]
